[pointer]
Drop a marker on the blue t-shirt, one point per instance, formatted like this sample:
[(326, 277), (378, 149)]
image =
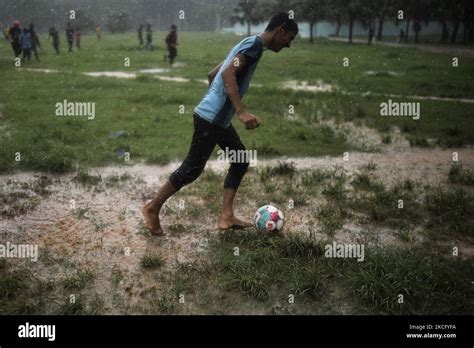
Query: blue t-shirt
[(216, 106)]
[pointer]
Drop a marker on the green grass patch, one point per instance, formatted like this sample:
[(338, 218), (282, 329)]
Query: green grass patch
[(460, 175), (451, 211), (429, 284), (152, 261), (158, 133)]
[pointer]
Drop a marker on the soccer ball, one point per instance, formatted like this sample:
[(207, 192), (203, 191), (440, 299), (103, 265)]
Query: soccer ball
[(268, 218)]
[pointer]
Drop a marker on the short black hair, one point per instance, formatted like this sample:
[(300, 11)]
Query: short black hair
[(282, 18)]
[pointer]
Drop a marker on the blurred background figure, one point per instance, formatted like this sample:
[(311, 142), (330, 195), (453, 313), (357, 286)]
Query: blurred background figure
[(15, 36), (401, 36), (97, 31), (140, 35), (26, 43), (55, 35), (149, 37), (6, 32), (78, 38), (35, 43), (171, 43), (69, 36)]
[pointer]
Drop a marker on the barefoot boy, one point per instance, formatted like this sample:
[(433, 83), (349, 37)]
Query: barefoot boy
[(228, 83)]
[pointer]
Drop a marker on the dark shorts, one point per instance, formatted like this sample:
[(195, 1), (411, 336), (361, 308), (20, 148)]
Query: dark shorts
[(172, 52), (205, 138)]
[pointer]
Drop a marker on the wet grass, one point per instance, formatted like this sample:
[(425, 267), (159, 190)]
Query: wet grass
[(18, 198), (79, 280), (421, 278), (242, 272), (85, 179), (269, 268), (282, 168), (152, 261), (460, 175), (24, 292), (158, 133), (451, 211)]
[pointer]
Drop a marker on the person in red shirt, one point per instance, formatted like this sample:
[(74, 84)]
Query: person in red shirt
[(171, 43), (78, 38)]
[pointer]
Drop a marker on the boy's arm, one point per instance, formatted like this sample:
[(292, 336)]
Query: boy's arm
[(212, 74), (229, 75)]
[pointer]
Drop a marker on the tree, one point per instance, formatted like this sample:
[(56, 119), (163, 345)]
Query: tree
[(312, 12), (368, 13), (420, 14), (456, 15), (439, 11), (386, 9), (354, 8), (118, 23), (468, 20), (246, 13), (83, 21), (406, 6), (336, 14)]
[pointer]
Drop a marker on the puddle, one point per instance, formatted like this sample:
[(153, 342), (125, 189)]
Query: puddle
[(47, 71), (153, 71), (382, 73), (174, 79), (105, 221), (304, 86), (178, 65), (119, 74)]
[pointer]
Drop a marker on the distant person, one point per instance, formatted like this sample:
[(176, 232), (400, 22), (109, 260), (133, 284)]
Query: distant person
[(26, 44), (15, 37), (171, 43), (35, 43), (6, 32), (97, 31), (70, 36), (371, 32), (228, 83), (401, 37), (417, 29), (53, 33), (78, 38), (149, 37), (140, 35)]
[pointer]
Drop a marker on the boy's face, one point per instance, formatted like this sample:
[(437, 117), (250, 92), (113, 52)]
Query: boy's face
[(281, 39)]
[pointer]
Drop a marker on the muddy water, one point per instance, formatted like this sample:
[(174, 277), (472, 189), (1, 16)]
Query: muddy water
[(100, 227)]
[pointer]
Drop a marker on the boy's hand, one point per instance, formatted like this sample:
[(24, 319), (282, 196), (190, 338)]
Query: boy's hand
[(250, 121)]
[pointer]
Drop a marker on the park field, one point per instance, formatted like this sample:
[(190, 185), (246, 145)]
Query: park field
[(150, 110), (326, 157)]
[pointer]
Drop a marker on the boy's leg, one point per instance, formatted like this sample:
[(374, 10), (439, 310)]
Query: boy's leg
[(202, 145), (151, 210), (231, 140)]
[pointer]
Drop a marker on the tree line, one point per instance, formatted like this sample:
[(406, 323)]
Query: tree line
[(410, 15)]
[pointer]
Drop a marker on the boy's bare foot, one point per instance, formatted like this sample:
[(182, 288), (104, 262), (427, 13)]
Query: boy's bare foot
[(152, 221), (230, 221)]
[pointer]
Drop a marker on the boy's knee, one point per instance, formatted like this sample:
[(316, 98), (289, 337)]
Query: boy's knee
[(184, 176)]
